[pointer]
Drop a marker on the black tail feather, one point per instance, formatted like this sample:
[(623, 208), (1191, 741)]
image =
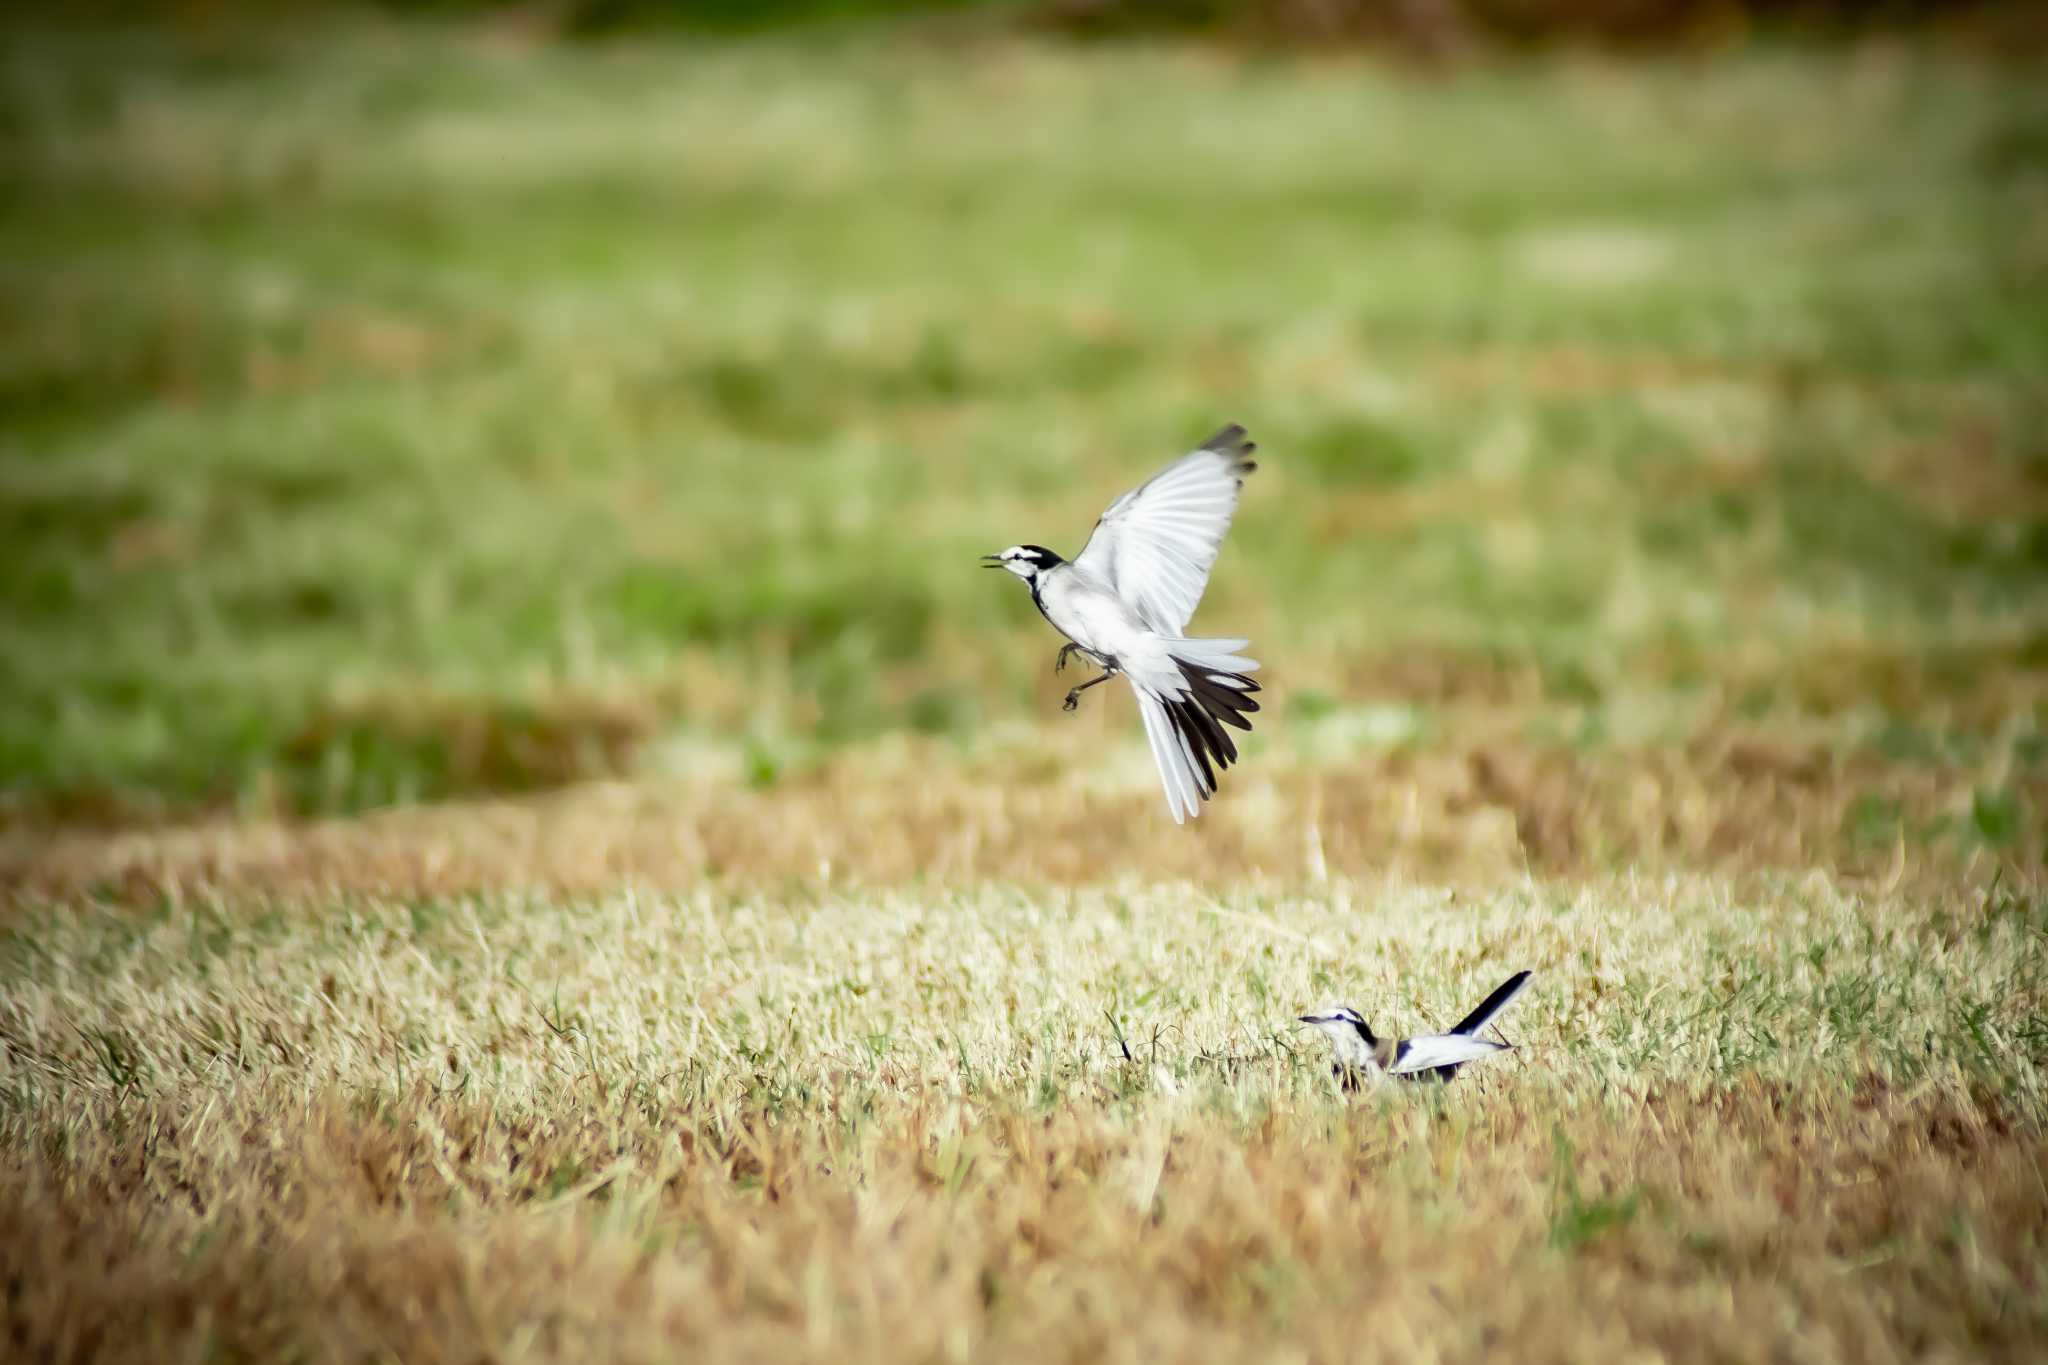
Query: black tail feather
[(1225, 700), (1211, 697), (1491, 1005), (1223, 696), (1200, 722), (1183, 716)]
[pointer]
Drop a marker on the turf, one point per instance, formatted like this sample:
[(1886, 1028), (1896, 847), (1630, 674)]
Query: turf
[(1791, 1117), (525, 835)]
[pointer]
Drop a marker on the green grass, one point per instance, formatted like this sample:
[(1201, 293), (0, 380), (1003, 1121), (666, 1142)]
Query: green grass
[(367, 389)]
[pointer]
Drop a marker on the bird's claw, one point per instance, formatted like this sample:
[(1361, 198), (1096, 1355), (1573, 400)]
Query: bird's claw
[(1059, 664), (1073, 700)]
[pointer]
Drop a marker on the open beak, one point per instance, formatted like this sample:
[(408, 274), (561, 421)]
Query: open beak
[(991, 561)]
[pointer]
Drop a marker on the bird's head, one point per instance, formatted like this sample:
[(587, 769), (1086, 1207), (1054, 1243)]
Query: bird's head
[(1025, 561), (1343, 1025)]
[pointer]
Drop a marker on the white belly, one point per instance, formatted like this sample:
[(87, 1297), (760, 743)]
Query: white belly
[(1091, 615)]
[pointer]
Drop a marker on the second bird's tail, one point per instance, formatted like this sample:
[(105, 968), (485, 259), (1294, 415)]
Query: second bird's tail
[(1479, 1018), (1492, 1004)]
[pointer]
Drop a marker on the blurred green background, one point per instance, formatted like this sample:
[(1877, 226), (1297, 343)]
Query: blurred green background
[(398, 405)]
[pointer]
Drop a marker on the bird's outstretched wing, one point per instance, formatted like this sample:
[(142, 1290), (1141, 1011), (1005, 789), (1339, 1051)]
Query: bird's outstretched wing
[(1441, 1049), (1156, 543)]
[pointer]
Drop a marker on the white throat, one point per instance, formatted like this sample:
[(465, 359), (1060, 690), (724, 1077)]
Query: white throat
[(1350, 1049)]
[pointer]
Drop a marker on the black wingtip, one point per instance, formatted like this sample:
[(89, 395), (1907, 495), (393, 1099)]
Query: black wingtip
[(1231, 440)]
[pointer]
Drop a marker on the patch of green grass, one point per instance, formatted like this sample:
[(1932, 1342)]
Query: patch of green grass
[(1578, 1219), (694, 376)]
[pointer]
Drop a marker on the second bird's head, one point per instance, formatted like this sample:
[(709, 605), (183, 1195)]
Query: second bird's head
[(1341, 1023), (1025, 561)]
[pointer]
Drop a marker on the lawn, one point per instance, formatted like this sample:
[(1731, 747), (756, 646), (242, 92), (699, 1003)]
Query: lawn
[(524, 834)]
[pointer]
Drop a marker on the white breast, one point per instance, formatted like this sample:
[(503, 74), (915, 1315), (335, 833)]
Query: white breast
[(1349, 1048), (1089, 614)]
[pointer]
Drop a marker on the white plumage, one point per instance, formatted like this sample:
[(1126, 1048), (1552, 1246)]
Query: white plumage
[(1125, 600), (1433, 1050), (1154, 546)]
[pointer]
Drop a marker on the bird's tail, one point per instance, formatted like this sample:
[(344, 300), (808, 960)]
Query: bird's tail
[(1492, 1004), (1215, 692), (1185, 707)]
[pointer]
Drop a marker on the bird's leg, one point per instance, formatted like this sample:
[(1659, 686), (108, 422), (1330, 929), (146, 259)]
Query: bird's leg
[(1059, 665), (1074, 696)]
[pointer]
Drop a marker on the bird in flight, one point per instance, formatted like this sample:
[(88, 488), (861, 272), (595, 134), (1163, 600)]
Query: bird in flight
[(1359, 1053), (1125, 600)]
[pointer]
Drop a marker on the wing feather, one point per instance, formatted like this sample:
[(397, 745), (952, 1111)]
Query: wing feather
[(1156, 544), (1442, 1049)]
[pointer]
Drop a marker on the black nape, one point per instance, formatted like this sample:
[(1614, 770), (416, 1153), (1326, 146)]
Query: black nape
[(1039, 556)]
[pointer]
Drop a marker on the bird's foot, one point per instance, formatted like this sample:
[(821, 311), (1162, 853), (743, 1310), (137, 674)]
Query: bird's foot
[(1073, 700), (1059, 665)]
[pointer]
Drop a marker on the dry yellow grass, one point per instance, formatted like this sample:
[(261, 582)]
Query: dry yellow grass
[(1078, 805), (502, 1083)]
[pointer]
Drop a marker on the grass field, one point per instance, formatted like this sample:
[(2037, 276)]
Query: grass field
[(524, 835)]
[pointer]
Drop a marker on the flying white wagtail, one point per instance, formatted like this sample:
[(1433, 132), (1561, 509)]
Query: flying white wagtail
[(1125, 599), (1358, 1052)]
